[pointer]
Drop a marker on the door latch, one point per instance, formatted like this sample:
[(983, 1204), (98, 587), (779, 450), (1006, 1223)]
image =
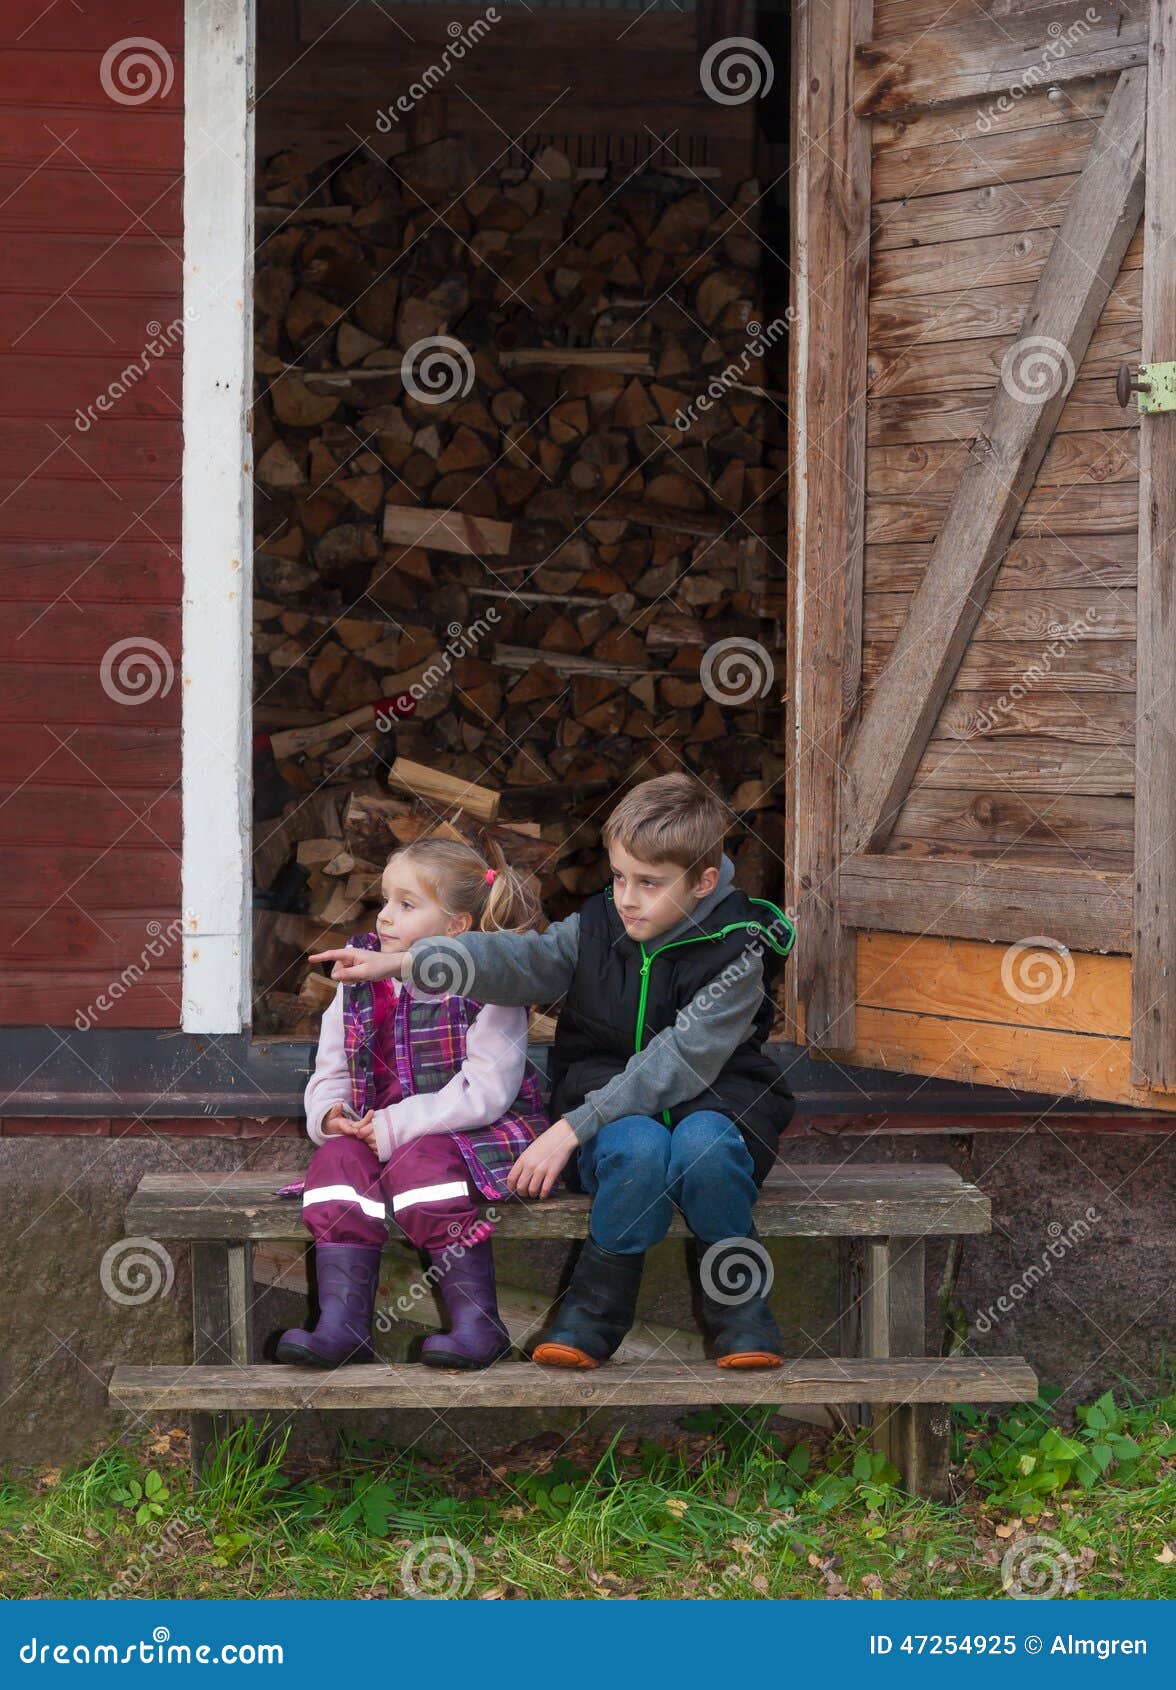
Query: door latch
[(1154, 384)]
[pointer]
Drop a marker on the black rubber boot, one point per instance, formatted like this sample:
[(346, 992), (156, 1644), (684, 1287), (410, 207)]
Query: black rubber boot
[(596, 1311), (739, 1323)]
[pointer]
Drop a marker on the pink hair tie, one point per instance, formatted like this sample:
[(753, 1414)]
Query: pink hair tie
[(491, 873)]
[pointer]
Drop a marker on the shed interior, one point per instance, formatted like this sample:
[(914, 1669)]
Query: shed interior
[(490, 289)]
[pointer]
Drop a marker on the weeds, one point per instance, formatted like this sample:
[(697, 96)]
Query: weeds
[(735, 1505)]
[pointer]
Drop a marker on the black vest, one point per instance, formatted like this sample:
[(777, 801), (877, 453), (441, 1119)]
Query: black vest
[(624, 992)]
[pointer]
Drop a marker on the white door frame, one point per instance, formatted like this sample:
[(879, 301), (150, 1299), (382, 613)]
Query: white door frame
[(217, 540)]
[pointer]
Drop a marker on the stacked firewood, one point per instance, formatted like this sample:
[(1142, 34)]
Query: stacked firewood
[(506, 563)]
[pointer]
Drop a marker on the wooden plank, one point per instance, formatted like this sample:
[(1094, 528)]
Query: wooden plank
[(1033, 561), (1153, 1042), (1044, 511), (983, 261), (446, 531), (892, 734), (1078, 830), (995, 208), (1084, 909), (946, 127), (937, 67), (1026, 614), (616, 1385), (1085, 992), (1026, 764), (40, 385), (827, 382), (960, 416), (969, 715), (918, 1434), (976, 364), (222, 1328), (154, 196), (111, 139), (32, 23), (900, 17), (1061, 1065), (998, 665), (958, 153), (36, 998), (1102, 455), (984, 312), (797, 1201)]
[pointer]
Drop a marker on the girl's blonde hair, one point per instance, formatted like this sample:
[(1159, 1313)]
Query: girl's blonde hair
[(454, 874)]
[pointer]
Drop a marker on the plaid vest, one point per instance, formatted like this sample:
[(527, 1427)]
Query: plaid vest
[(429, 1041)]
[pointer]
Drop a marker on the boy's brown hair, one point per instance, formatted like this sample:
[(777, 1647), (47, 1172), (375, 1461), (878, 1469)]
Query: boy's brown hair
[(671, 819)]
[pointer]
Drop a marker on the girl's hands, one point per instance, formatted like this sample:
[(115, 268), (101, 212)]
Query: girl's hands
[(535, 1172), (352, 964), (335, 1121)]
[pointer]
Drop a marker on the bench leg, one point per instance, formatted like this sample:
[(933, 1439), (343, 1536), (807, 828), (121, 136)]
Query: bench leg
[(222, 1328), (914, 1436), (850, 1283)]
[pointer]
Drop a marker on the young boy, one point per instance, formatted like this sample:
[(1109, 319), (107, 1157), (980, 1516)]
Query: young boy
[(660, 1087)]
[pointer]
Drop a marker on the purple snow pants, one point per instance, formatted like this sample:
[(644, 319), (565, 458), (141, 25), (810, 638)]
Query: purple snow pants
[(425, 1187)]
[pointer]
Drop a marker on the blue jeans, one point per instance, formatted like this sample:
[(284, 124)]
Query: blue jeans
[(636, 1169)]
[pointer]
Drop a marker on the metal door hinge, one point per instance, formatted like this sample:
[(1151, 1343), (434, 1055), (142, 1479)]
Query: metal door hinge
[(1154, 386)]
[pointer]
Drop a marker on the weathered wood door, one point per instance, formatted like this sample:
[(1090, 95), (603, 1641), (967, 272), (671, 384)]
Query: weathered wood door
[(982, 852)]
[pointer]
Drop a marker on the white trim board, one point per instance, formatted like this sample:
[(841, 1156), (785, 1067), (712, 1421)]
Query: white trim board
[(216, 881)]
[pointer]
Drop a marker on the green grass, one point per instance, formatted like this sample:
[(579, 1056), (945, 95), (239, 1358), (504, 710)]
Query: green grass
[(734, 1505)]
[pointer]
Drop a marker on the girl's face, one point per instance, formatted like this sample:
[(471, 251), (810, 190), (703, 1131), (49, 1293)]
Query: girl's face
[(410, 912)]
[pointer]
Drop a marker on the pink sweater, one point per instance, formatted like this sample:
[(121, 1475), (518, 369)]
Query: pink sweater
[(484, 1087)]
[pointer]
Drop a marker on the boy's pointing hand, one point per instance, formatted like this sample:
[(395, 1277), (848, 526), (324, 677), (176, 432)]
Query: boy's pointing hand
[(354, 964), (536, 1171)]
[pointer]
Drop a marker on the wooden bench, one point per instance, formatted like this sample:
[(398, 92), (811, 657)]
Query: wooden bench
[(880, 1214)]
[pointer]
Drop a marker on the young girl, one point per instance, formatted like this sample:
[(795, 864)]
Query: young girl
[(420, 1103)]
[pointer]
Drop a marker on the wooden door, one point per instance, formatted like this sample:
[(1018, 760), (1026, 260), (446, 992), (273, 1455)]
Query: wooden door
[(982, 795)]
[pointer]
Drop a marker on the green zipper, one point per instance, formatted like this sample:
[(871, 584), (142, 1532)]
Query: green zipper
[(731, 927)]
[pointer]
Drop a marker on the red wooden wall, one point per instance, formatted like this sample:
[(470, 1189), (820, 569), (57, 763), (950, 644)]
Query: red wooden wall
[(90, 260)]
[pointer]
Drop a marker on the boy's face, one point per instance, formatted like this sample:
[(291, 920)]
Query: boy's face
[(410, 912), (653, 897)]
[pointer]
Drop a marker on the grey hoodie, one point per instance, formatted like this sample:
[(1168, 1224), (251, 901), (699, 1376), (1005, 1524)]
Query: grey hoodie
[(529, 968)]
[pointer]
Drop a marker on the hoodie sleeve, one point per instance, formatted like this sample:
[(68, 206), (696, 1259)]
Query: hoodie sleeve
[(483, 1088), (331, 1081), (511, 969), (683, 1059)]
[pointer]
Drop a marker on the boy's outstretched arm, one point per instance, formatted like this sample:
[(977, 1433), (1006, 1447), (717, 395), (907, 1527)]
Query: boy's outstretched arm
[(683, 1059), (502, 968)]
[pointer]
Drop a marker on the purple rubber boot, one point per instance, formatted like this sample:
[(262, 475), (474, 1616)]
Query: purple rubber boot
[(348, 1275), (476, 1335)]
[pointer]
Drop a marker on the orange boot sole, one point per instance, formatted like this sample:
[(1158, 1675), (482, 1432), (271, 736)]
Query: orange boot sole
[(561, 1355), (751, 1358)]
